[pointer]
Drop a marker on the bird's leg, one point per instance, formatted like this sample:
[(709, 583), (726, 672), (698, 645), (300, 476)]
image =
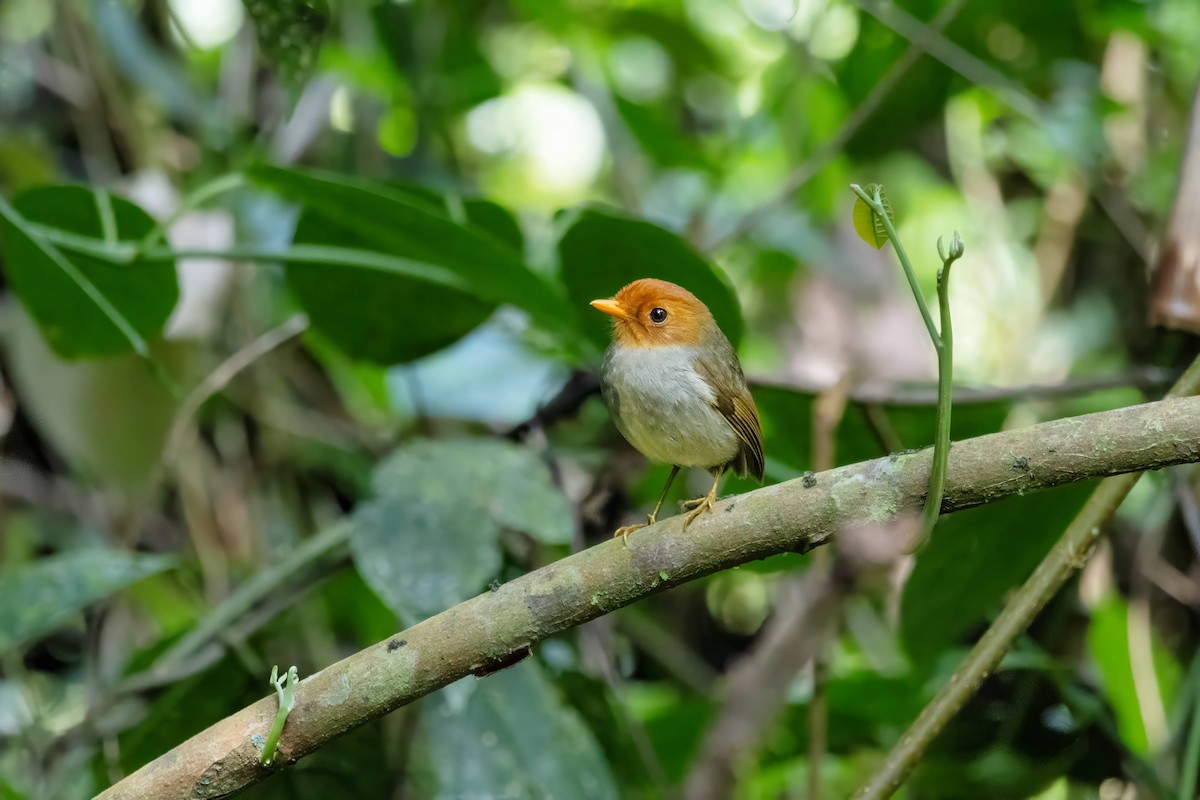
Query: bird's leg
[(701, 504), (625, 530), (650, 520)]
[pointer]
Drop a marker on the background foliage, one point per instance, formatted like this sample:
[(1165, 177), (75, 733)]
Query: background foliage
[(285, 284)]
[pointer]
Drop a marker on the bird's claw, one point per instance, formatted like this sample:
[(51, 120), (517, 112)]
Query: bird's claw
[(625, 530), (698, 506)]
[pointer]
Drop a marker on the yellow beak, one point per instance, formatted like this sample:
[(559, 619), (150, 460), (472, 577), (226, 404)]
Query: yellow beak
[(610, 307)]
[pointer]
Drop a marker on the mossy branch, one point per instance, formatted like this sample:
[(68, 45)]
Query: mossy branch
[(497, 627)]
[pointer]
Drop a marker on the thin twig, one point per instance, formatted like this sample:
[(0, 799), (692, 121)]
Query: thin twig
[(225, 372), (193, 200), (322, 548), (945, 358), (828, 412), (1154, 379), (956, 58), (943, 345)]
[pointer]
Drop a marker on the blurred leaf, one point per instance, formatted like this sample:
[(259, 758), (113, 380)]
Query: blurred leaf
[(187, 707), (469, 269), (690, 53), (496, 220), (511, 736), (657, 137), (440, 42), (397, 130), (675, 724), (606, 716), (1110, 648), (86, 307), (602, 252), (108, 417), (867, 224), (26, 160), (289, 35), (974, 558), (873, 699), (36, 598), (430, 538)]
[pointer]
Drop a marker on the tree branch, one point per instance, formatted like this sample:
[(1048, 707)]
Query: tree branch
[(492, 629)]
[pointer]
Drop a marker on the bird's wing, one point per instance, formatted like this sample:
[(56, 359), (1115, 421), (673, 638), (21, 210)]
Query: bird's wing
[(723, 373)]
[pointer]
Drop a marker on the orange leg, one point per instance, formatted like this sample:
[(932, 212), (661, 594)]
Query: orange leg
[(701, 504)]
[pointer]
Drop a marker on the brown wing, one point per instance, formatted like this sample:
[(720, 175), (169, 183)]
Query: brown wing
[(723, 373)]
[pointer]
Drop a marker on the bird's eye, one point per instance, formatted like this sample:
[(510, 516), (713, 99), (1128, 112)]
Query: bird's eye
[(658, 315)]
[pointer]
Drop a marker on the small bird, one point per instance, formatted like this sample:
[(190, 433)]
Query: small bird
[(675, 389)]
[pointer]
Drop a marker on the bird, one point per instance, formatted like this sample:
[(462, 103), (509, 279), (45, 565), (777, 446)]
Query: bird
[(676, 391)]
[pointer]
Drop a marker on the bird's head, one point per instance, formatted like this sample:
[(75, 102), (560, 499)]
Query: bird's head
[(652, 313)]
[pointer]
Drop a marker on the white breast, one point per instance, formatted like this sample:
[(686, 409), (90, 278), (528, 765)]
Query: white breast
[(664, 408)]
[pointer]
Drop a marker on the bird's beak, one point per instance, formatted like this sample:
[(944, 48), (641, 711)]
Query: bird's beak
[(610, 307)]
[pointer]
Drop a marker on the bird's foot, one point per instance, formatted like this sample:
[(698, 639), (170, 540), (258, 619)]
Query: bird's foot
[(698, 507), (625, 530)]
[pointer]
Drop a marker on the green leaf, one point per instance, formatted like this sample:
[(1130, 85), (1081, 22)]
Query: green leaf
[(974, 558), (430, 539), (388, 223), (377, 316), (85, 307), (36, 598), (867, 224), (387, 319), (511, 735), (658, 140), (108, 418), (1109, 645), (602, 252)]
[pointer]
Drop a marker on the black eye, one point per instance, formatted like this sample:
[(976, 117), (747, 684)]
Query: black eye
[(658, 315)]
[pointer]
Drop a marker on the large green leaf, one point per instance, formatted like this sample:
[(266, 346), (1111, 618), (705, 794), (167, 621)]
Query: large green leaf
[(386, 318), (601, 253), (36, 598), (511, 736), (86, 307), (1115, 655), (430, 537), (379, 219), (374, 315), (974, 558)]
